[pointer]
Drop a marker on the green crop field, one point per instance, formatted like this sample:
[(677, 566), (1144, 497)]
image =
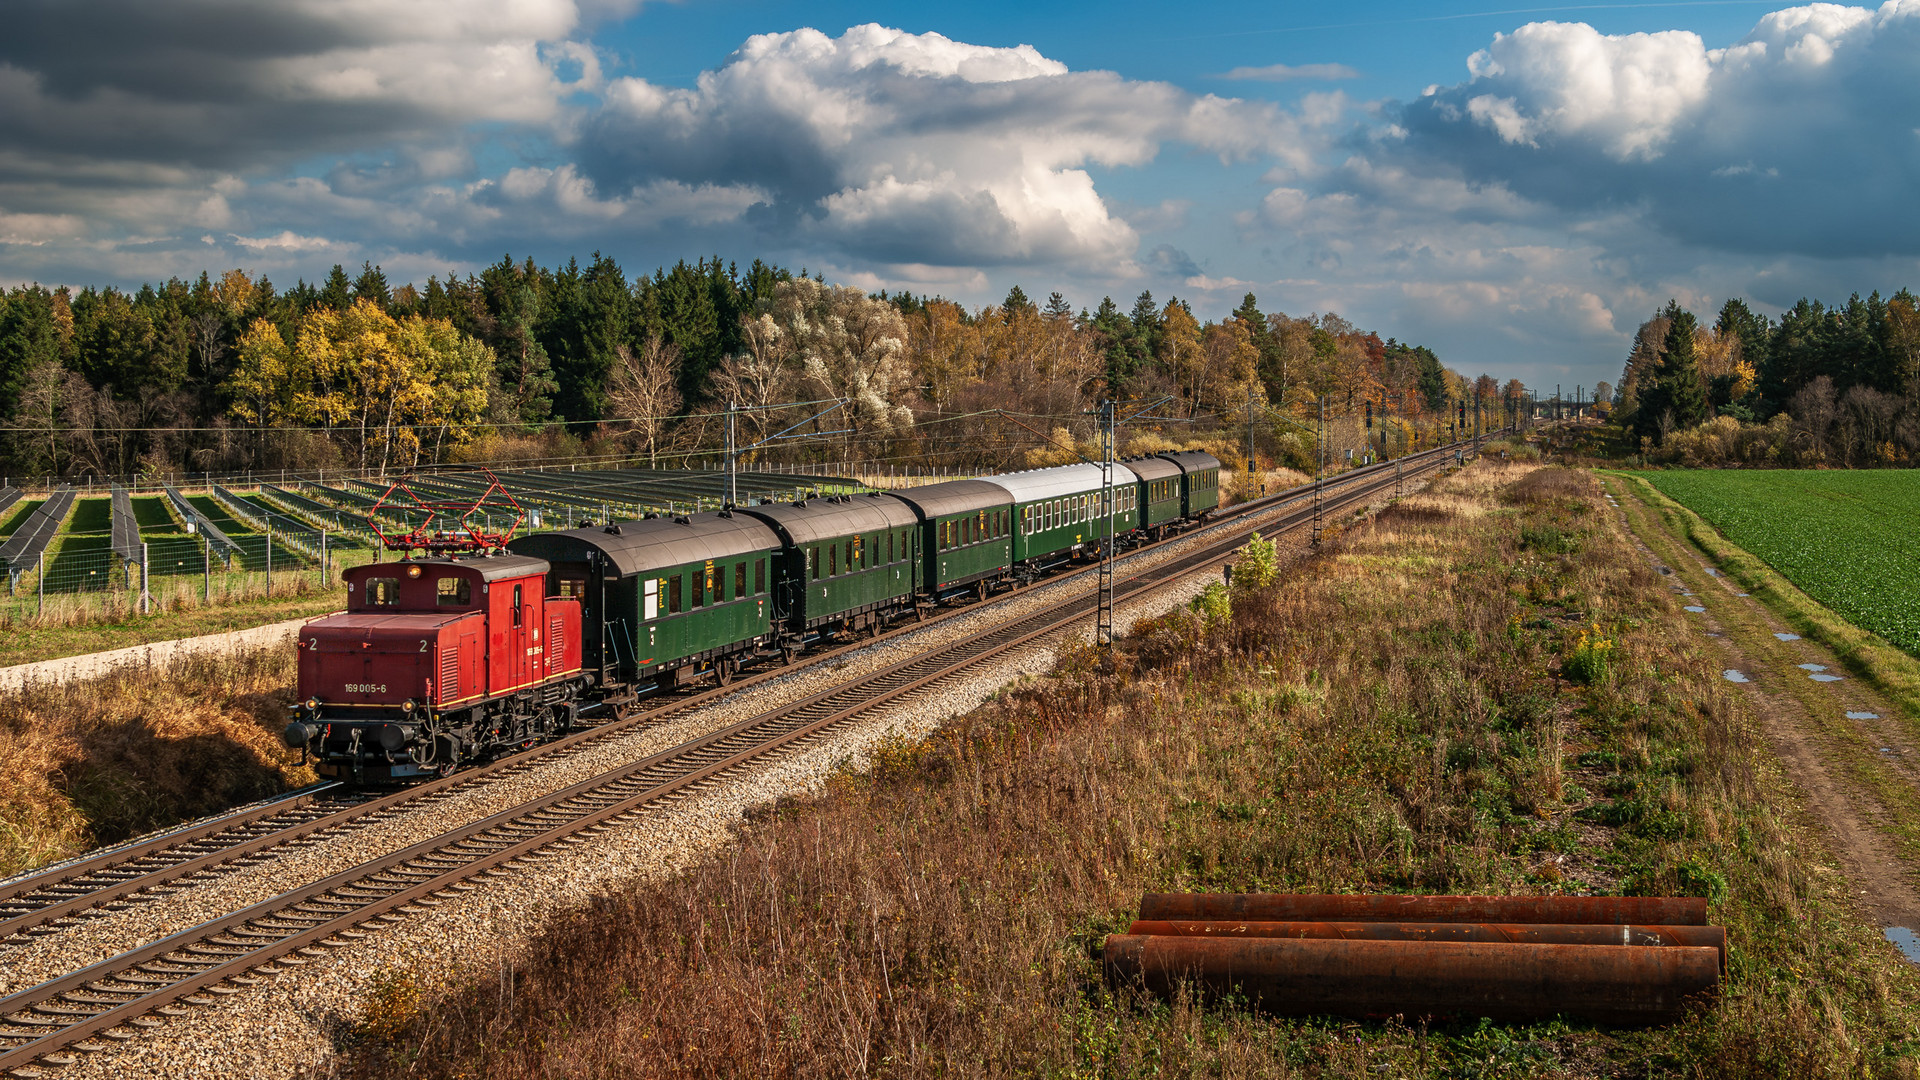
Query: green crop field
[(1847, 538)]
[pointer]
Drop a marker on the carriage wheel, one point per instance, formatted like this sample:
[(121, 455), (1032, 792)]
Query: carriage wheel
[(723, 670)]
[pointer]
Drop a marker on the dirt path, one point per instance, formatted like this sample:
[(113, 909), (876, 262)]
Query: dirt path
[(1847, 749), (146, 657)]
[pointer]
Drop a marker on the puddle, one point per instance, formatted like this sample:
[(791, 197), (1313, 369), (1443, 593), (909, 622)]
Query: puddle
[(1859, 714), (1787, 637), (1906, 941), (1711, 572), (1813, 667), (1735, 676), (1695, 607), (1826, 678)]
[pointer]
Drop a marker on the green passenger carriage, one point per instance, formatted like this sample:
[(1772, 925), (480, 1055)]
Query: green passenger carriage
[(1060, 512), (1200, 489), (1159, 493), (666, 599), (849, 562), (965, 534)]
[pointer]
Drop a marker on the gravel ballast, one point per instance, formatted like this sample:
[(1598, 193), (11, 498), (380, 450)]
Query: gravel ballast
[(287, 1025)]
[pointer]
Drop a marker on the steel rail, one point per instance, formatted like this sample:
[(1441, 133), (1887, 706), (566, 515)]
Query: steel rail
[(67, 1011), (89, 885), (217, 956)]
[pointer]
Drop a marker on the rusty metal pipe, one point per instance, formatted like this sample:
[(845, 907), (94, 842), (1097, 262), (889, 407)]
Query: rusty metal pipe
[(1700, 937), (1290, 907), (1610, 984)]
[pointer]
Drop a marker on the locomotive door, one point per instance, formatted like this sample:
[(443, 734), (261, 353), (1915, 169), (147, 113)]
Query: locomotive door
[(522, 637)]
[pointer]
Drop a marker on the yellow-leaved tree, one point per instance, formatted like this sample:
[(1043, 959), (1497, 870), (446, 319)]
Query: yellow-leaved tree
[(390, 391)]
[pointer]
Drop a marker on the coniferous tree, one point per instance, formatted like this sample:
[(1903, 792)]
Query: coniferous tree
[(337, 293), (1677, 400), (372, 285)]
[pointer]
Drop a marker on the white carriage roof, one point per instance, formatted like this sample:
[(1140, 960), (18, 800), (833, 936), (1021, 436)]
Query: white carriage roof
[(1036, 484)]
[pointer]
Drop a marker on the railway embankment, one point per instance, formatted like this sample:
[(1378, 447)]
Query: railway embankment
[(292, 1011), (1489, 689)]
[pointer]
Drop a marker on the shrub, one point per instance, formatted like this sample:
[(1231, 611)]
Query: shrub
[(1588, 662), (1258, 566)]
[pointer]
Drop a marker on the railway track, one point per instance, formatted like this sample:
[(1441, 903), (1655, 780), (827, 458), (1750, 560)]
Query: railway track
[(110, 1000), (105, 883)]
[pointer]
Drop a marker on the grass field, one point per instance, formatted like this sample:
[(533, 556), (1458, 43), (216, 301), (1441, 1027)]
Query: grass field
[(1846, 538)]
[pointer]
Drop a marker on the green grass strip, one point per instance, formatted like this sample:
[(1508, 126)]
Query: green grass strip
[(1866, 654)]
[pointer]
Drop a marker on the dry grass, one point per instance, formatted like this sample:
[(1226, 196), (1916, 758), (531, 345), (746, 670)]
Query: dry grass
[(101, 760), (1388, 718)]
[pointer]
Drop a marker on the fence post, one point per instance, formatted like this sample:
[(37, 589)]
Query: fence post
[(324, 575), (40, 582), (269, 560), (146, 596), (207, 554)]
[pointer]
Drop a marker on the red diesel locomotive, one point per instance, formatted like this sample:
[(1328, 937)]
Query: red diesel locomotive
[(436, 660)]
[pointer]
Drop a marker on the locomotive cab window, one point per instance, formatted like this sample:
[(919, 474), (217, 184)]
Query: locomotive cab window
[(453, 592), (383, 591), (516, 605)]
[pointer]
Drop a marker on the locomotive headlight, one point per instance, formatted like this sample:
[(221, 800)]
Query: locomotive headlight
[(408, 706), (313, 703), (413, 571)]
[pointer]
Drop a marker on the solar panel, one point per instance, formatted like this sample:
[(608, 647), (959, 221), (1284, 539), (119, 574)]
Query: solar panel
[(126, 527)]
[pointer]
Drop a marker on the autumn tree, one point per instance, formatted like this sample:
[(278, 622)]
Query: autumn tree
[(850, 346), (643, 392)]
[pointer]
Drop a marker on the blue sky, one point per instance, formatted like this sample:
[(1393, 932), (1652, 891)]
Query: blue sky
[(1517, 187)]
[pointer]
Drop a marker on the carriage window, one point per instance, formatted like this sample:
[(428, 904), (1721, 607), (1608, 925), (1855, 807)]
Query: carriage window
[(739, 580), (673, 595), (699, 589), (857, 557), (848, 556), (383, 591), (516, 605), (833, 559), (889, 547), (813, 559), (759, 575), (456, 591)]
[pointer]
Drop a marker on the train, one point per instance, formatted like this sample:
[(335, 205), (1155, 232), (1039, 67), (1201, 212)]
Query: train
[(490, 643)]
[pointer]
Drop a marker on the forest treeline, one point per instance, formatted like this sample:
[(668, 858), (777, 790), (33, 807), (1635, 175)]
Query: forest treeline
[(1819, 385), (522, 362)]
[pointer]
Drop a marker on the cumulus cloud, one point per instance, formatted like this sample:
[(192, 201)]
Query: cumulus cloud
[(226, 83), (1796, 138), (917, 148)]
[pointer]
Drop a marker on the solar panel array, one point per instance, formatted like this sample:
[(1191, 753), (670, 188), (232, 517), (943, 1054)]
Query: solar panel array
[(288, 532), (209, 533), (348, 527), (126, 527), (23, 549)]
